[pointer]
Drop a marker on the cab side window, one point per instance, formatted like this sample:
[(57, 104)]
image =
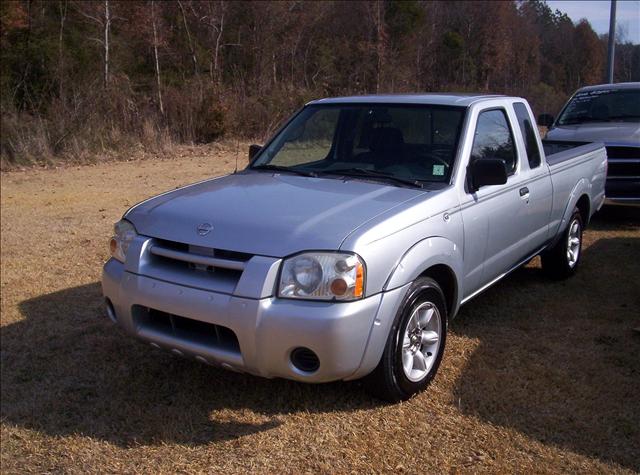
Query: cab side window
[(493, 139), (529, 135)]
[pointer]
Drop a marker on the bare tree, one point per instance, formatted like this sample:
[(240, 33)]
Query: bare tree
[(103, 19), (62, 7), (377, 15), (155, 54), (219, 33), (214, 20), (191, 48), (107, 27)]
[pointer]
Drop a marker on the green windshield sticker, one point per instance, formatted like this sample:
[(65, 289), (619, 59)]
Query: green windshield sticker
[(438, 170)]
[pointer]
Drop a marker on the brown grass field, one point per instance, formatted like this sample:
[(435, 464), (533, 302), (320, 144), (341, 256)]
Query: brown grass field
[(538, 376)]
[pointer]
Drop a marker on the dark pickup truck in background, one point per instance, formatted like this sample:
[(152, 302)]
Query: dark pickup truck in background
[(608, 113)]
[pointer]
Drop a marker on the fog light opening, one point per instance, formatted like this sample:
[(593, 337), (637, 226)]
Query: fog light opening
[(111, 312), (305, 360)]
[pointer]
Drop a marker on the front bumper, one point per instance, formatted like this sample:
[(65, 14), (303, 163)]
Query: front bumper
[(348, 337), (623, 191)]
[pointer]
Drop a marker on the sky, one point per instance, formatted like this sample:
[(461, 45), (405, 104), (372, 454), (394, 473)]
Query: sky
[(597, 12)]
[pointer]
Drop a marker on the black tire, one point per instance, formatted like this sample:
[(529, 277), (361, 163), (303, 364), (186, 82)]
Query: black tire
[(389, 380), (556, 262)]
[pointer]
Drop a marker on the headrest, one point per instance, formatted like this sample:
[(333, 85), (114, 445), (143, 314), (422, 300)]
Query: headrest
[(601, 112), (386, 139)]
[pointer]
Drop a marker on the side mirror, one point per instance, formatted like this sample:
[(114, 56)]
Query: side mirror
[(545, 120), (487, 171), (253, 151)]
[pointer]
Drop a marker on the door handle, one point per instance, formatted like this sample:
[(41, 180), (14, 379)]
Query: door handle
[(524, 192)]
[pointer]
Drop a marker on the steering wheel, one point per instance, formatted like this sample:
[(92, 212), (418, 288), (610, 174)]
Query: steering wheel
[(441, 160), (435, 158)]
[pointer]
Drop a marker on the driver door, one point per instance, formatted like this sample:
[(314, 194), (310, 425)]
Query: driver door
[(495, 216)]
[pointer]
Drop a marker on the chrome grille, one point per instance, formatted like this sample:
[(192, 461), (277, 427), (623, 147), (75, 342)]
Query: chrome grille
[(194, 266), (624, 162), (198, 259)]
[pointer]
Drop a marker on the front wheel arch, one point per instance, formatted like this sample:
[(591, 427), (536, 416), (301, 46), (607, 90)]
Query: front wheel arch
[(436, 257), (444, 276), (388, 380)]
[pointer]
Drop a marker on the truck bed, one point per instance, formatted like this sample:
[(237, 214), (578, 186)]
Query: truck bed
[(558, 152), (570, 166)]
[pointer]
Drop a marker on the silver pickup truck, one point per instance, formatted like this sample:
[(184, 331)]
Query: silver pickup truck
[(352, 239)]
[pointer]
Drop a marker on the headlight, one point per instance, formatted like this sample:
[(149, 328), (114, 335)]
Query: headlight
[(322, 276), (124, 234)]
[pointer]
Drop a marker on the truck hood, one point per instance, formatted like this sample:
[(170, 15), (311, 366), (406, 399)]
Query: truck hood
[(607, 132), (266, 213)]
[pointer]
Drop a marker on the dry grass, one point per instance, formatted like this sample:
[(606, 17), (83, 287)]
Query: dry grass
[(538, 376)]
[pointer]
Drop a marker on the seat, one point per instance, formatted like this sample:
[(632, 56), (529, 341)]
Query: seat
[(600, 112), (387, 147)]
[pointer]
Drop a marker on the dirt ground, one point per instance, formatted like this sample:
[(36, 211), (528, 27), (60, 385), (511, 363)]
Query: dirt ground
[(538, 376)]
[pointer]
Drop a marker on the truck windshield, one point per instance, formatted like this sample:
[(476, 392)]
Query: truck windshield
[(398, 142), (602, 105)]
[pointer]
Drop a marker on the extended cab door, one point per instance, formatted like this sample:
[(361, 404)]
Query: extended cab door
[(495, 217), (538, 179)]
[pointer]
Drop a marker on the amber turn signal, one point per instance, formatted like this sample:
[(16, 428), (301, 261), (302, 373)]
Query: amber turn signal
[(339, 287), (359, 287), (113, 245)]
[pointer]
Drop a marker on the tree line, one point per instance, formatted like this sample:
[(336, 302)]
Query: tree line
[(80, 78)]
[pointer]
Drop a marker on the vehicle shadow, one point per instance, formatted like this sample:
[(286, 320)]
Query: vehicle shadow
[(67, 370), (558, 361)]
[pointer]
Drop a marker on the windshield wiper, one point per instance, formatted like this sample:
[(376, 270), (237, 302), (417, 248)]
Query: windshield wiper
[(581, 120), (278, 168), (367, 173), (625, 116)]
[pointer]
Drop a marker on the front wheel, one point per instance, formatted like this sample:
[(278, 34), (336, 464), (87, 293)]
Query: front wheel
[(561, 261), (415, 344)]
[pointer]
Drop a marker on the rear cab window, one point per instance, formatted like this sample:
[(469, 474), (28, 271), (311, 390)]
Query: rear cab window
[(528, 134)]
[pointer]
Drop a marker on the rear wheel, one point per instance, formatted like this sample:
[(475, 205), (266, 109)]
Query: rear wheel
[(561, 261), (415, 344)]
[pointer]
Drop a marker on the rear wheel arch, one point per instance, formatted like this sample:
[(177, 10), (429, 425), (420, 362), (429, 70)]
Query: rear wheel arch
[(561, 260), (583, 203), (584, 206)]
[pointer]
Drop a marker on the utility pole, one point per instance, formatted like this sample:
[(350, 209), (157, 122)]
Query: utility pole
[(612, 42)]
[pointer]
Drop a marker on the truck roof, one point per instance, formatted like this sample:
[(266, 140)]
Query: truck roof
[(444, 99), (618, 85)]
